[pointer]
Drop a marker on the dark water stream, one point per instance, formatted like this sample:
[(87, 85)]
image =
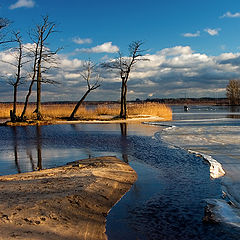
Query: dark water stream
[(166, 202)]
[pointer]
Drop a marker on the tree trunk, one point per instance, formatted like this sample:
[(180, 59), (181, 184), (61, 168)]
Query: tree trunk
[(39, 79), (26, 100), (13, 114), (122, 99), (125, 102), (15, 85), (123, 113), (78, 104), (30, 87)]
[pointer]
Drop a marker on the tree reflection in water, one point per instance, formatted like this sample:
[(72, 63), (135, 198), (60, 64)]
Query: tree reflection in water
[(15, 147), (123, 127), (29, 154), (28, 142), (28, 148), (39, 147)]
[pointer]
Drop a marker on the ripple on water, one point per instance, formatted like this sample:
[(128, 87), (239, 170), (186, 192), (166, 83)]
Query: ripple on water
[(174, 209)]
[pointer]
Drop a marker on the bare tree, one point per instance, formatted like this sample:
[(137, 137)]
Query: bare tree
[(34, 71), (125, 66), (43, 59), (88, 75), (233, 91), (42, 55), (15, 82)]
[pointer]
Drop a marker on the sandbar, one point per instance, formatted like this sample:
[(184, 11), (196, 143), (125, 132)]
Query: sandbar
[(68, 202)]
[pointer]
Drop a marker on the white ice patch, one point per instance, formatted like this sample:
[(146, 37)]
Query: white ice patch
[(167, 127), (225, 212), (216, 170)]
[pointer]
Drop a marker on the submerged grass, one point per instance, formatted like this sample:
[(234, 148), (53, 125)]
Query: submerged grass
[(101, 111)]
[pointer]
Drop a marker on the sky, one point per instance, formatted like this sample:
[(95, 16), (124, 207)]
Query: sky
[(193, 46)]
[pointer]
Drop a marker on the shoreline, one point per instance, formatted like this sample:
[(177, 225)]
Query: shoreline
[(227, 208), (68, 202), (110, 121)]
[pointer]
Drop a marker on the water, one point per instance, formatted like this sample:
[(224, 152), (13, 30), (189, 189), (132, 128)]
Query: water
[(173, 186)]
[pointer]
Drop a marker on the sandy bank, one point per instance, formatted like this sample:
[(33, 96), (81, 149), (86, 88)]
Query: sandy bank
[(104, 121), (69, 202)]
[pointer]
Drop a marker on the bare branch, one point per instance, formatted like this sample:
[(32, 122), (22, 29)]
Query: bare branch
[(4, 22), (87, 75), (124, 65)]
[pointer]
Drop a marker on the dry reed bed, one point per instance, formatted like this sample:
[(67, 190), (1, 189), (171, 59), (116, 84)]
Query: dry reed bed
[(55, 111)]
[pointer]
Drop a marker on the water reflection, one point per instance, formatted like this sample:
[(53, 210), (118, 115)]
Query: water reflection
[(123, 127), (28, 148), (234, 109), (31, 148), (165, 203), (15, 147), (20, 138), (39, 147)]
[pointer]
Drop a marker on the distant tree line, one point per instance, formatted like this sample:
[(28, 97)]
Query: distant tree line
[(233, 92)]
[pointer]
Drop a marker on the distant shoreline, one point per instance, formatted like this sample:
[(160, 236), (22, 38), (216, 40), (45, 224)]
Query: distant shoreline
[(197, 101)]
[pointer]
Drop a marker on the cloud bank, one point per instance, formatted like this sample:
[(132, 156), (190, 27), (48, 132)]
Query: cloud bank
[(171, 72), (22, 3)]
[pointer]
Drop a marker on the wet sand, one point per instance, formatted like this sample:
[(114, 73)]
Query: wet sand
[(69, 202)]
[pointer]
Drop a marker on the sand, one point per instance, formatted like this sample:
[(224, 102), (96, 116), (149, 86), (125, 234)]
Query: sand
[(69, 202)]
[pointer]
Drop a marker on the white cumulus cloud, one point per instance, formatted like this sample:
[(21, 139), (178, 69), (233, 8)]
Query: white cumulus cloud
[(197, 34), (169, 72), (178, 50), (231, 15), (212, 31), (22, 3), (79, 40), (103, 48)]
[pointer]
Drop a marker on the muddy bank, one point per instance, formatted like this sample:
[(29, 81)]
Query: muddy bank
[(69, 202)]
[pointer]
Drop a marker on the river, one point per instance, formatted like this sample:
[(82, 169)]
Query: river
[(174, 187)]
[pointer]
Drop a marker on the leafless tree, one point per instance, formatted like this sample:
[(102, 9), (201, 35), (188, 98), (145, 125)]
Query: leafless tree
[(89, 75), (15, 82), (44, 59), (125, 66), (233, 91), (33, 76)]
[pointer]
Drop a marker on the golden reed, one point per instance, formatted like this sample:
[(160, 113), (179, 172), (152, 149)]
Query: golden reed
[(55, 111)]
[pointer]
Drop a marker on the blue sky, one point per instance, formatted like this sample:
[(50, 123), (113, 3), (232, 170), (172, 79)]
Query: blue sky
[(193, 46)]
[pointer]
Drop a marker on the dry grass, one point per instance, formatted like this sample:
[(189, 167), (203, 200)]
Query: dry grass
[(54, 111), (151, 109)]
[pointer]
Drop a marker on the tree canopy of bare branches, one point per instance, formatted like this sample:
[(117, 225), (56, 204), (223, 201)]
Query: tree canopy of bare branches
[(233, 91), (4, 22), (125, 65), (41, 54), (92, 81)]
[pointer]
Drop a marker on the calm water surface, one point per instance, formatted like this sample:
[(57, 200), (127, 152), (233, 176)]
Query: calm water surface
[(166, 202)]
